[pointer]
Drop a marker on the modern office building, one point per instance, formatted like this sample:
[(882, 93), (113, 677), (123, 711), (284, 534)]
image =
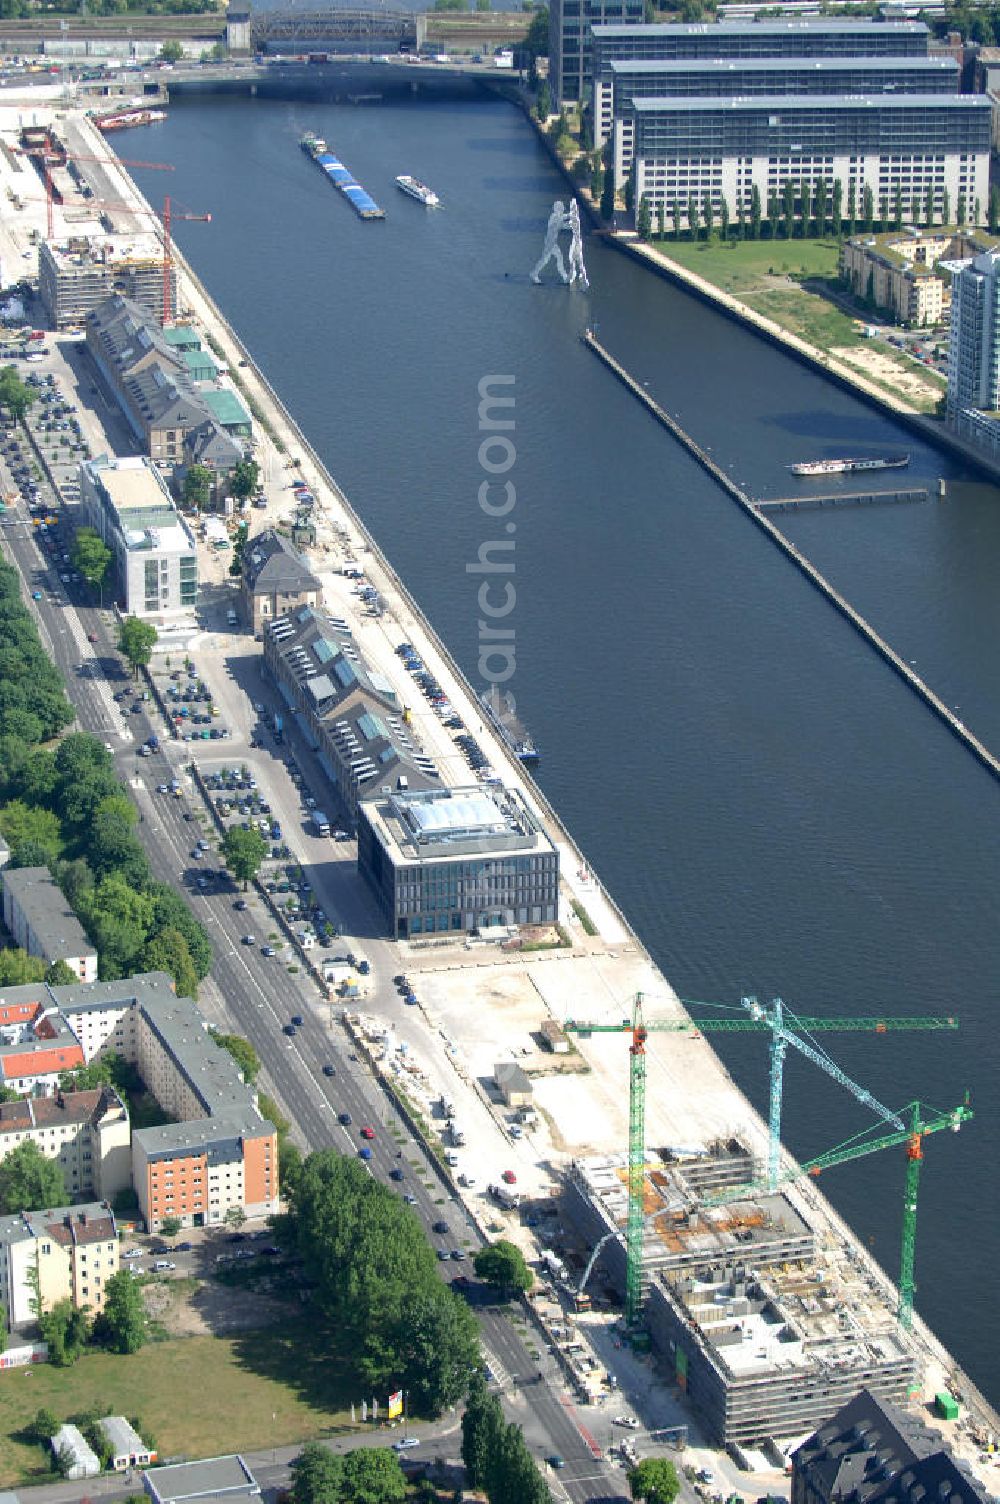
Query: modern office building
[(873, 1452), (211, 1480), (714, 149), (127, 502), (570, 53), (73, 1250), (78, 273), (39, 919), (87, 1133), (464, 859), (973, 406), (736, 42), (749, 78), (348, 711)]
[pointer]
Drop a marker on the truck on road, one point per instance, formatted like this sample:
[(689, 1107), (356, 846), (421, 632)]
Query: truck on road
[(319, 822), (279, 731)]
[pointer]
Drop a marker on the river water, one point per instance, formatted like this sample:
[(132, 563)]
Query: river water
[(769, 805)]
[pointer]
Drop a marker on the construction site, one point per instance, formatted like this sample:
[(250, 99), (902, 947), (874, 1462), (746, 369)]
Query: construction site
[(77, 274), (761, 1319)]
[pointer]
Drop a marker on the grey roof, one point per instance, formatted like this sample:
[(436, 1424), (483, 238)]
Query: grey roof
[(209, 444), (213, 1478), (230, 1110), (788, 102), (687, 65), (272, 565), (121, 1435), (873, 1451), (512, 1077), (805, 26), (128, 334), (41, 900), (83, 1455)]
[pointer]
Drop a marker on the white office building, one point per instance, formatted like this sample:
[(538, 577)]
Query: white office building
[(156, 567)]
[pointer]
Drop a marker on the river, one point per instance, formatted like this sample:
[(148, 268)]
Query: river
[(770, 806)]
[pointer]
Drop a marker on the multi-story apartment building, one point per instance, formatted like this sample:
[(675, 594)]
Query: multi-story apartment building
[(87, 1133), (79, 273), (73, 1250), (41, 922), (722, 149), (973, 404), (738, 42), (749, 78), (156, 563), (349, 711), (899, 272), (36, 1043), (219, 1154), (448, 860)]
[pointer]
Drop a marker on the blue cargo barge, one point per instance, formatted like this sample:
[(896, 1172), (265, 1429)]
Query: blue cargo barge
[(361, 202)]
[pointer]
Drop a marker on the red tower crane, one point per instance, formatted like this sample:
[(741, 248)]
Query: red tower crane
[(169, 215), (45, 152)]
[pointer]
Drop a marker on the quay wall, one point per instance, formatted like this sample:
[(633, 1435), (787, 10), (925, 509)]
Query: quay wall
[(899, 666)]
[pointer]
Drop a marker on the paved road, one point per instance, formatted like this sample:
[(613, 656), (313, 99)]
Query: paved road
[(257, 997)]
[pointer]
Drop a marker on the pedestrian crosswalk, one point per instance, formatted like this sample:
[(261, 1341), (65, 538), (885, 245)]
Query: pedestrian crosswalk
[(495, 1371)]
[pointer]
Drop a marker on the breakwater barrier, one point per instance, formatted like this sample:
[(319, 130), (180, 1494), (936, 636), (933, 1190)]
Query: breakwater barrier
[(752, 510), (841, 499)]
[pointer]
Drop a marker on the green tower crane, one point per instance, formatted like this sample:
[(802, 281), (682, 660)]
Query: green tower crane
[(754, 1019), (922, 1120)]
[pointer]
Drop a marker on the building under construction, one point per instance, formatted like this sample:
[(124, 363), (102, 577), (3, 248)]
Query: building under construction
[(77, 274), (766, 1334)]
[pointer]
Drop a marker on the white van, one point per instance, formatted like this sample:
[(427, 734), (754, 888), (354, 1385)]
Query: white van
[(232, 619)]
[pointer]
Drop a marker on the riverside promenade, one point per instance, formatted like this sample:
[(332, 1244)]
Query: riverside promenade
[(703, 1084)]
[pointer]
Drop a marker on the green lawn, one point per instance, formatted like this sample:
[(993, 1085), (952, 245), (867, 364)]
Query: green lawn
[(197, 1395), (749, 265)]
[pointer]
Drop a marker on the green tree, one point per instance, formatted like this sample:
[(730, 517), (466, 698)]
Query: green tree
[(644, 219), (171, 912), (897, 208), (502, 1265), (788, 207), (25, 826), (317, 1476), (482, 1423), (171, 52), (432, 1343), (867, 210), (15, 395), (91, 556), (17, 968), (654, 1480), (805, 192), (243, 1053), (28, 1181), (755, 213), (135, 641), (692, 217), (819, 202), (708, 215), (244, 479), (122, 1325), (724, 220), (946, 208), (235, 1218), (43, 1426), (536, 43), (170, 1227), (66, 1330), (929, 204), (372, 1475), (961, 211), (597, 181), (543, 101), (243, 852), (675, 214), (838, 209), (773, 213), (168, 951), (3, 1328), (60, 975), (197, 486), (608, 197)]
